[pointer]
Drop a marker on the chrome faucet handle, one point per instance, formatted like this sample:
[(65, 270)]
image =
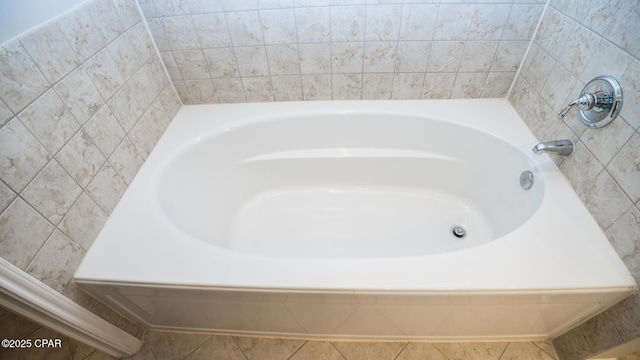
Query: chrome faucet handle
[(599, 102), (586, 101)]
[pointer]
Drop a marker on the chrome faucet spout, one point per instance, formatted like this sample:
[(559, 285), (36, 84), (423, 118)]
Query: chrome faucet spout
[(558, 147)]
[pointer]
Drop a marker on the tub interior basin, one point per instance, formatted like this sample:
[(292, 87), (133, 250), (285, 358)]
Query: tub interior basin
[(346, 185)]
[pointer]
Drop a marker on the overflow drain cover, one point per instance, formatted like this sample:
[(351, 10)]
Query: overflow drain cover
[(458, 232)]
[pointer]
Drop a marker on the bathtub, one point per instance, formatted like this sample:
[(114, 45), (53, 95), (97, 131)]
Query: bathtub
[(353, 220)]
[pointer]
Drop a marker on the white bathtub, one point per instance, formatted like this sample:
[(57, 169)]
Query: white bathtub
[(334, 220)]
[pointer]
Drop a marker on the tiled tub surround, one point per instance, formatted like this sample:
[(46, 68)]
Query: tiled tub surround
[(576, 42), (220, 51), (83, 99)]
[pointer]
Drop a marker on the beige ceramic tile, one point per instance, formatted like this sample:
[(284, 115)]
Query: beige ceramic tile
[(631, 81), (468, 85), (607, 59), (625, 30), (192, 64), (509, 55), (418, 350), (229, 90), (287, 88), (49, 48), (379, 57), (126, 160), (315, 58), (268, 349), (105, 15), (559, 83), (453, 22), (488, 21), (445, 56), (624, 235), (22, 155), (472, 351), (524, 350), (317, 350), (84, 36), (547, 347), (52, 192), (313, 24), (347, 57), (412, 56), (605, 143), (21, 81), (553, 32), (418, 21), (252, 61), (141, 41), (347, 23), (581, 168), (626, 317), (194, 92), (22, 233), (129, 13), (346, 86), (104, 73), (244, 28), (56, 262), (522, 21), (106, 188), (5, 114), (278, 26), (105, 131), (50, 121), (83, 221), (6, 196), (497, 84), (625, 167), (221, 62), (478, 56), (217, 347), (81, 158), (80, 95), (383, 22), (170, 100), (316, 87), (13, 326), (405, 86), (124, 55), (258, 89), (378, 86), (125, 108), (283, 59), (212, 30), (438, 85), (369, 350), (605, 200), (600, 333)]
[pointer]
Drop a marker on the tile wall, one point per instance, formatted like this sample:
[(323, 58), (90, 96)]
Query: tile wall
[(83, 100), (221, 51), (576, 42)]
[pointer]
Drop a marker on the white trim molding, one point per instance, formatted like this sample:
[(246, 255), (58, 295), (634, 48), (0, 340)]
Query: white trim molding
[(27, 296)]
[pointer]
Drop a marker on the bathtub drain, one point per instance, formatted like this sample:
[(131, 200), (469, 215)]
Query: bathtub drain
[(458, 232)]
